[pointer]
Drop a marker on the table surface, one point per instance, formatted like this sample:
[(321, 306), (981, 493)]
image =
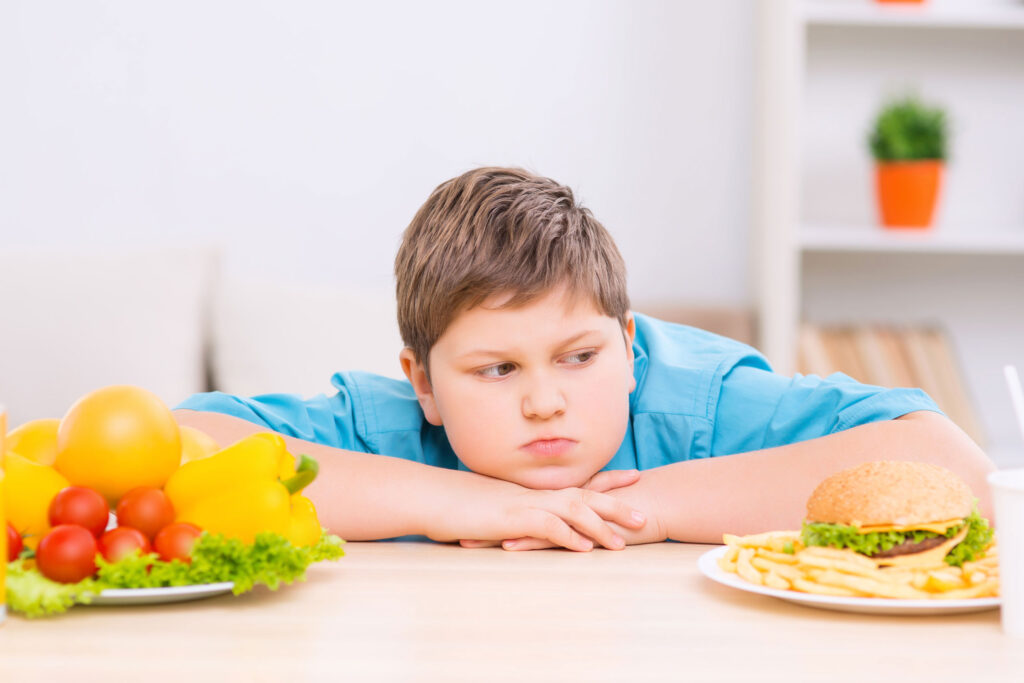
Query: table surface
[(422, 611)]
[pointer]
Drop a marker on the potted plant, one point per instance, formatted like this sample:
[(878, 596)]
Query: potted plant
[(908, 142)]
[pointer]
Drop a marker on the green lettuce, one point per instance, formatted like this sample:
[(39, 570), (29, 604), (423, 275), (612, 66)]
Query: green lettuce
[(270, 560), (840, 536), (33, 595), (979, 535)]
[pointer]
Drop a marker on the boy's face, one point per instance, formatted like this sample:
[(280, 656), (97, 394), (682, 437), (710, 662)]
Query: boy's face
[(537, 395)]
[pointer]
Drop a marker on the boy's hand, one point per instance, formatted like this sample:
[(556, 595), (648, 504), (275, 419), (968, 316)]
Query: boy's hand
[(623, 519), (573, 518)]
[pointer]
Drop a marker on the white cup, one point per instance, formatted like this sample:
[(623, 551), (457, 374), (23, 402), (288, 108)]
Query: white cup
[(1008, 494)]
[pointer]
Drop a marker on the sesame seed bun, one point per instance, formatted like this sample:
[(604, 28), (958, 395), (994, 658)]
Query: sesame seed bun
[(890, 492)]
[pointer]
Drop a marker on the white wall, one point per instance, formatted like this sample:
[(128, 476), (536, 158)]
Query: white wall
[(302, 136)]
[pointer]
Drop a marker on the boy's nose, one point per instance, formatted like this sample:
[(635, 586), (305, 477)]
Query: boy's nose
[(543, 400)]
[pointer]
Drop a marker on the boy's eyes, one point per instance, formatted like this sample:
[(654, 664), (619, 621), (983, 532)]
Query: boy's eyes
[(499, 370), (579, 357)]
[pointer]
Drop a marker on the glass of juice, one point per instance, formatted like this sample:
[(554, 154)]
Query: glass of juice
[(3, 519)]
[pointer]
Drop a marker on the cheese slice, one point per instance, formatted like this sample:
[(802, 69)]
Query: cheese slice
[(928, 558), (937, 527)]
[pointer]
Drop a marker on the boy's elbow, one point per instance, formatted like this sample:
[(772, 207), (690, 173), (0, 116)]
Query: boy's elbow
[(937, 439)]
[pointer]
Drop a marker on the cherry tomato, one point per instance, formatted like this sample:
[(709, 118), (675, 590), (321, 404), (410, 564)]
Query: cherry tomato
[(82, 506), (67, 553), (122, 541), (175, 541), (147, 509), (14, 543)]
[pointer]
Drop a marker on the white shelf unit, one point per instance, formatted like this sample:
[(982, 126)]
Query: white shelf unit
[(869, 239), (825, 67), (925, 15)]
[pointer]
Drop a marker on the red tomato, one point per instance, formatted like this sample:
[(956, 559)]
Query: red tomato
[(14, 543), (121, 541), (147, 509), (82, 506), (67, 553), (175, 541)]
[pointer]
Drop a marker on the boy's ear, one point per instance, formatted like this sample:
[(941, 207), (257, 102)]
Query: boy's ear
[(417, 375), (630, 336)]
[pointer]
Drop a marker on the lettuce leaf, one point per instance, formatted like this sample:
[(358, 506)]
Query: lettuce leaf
[(973, 546), (840, 536), (270, 560), (33, 595)]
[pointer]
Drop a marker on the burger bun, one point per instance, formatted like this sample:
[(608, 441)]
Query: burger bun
[(890, 492)]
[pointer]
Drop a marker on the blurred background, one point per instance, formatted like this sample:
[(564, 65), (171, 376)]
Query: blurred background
[(205, 195)]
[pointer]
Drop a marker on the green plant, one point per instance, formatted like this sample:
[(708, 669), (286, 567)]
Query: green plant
[(907, 129)]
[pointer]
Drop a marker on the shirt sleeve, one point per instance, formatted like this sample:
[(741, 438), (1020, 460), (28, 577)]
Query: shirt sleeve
[(322, 419), (369, 414), (759, 409)]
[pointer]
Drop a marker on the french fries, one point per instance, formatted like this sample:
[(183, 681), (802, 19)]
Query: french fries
[(765, 559)]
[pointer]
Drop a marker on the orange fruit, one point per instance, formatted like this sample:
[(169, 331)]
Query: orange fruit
[(118, 438)]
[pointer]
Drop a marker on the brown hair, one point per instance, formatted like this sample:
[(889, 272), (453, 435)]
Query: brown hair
[(497, 230)]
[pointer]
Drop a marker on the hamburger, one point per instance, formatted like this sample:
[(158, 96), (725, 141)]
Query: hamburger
[(899, 514)]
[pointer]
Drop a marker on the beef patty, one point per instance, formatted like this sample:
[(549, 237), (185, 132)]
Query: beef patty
[(908, 547)]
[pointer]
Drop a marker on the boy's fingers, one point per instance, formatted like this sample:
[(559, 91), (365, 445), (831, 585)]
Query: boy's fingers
[(467, 543), (526, 544), (584, 520), (612, 479), (555, 529), (614, 510)]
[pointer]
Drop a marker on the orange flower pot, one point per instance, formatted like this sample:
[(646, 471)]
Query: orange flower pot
[(907, 192)]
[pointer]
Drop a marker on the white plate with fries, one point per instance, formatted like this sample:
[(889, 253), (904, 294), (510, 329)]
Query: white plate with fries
[(827, 579)]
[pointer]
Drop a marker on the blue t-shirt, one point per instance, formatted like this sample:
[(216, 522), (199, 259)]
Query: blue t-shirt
[(697, 395)]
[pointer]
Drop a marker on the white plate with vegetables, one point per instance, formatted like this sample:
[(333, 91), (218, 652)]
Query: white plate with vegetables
[(156, 596)]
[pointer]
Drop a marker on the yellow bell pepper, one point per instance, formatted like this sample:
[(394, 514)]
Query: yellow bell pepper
[(35, 440), (28, 489), (242, 511), (255, 457), (286, 466), (304, 526), (237, 491)]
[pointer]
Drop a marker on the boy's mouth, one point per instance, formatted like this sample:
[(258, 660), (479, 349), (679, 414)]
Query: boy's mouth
[(549, 448)]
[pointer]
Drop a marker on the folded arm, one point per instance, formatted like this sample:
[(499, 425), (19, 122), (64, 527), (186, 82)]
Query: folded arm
[(699, 500), (362, 496)]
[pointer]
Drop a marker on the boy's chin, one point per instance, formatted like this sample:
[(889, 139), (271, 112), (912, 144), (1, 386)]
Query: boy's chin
[(551, 478)]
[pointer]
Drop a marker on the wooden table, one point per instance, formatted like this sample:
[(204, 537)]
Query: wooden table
[(430, 612)]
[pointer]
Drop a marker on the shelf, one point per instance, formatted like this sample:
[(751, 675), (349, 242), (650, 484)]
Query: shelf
[(994, 16), (829, 58), (873, 239)]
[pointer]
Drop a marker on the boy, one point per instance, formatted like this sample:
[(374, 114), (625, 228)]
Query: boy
[(541, 412)]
